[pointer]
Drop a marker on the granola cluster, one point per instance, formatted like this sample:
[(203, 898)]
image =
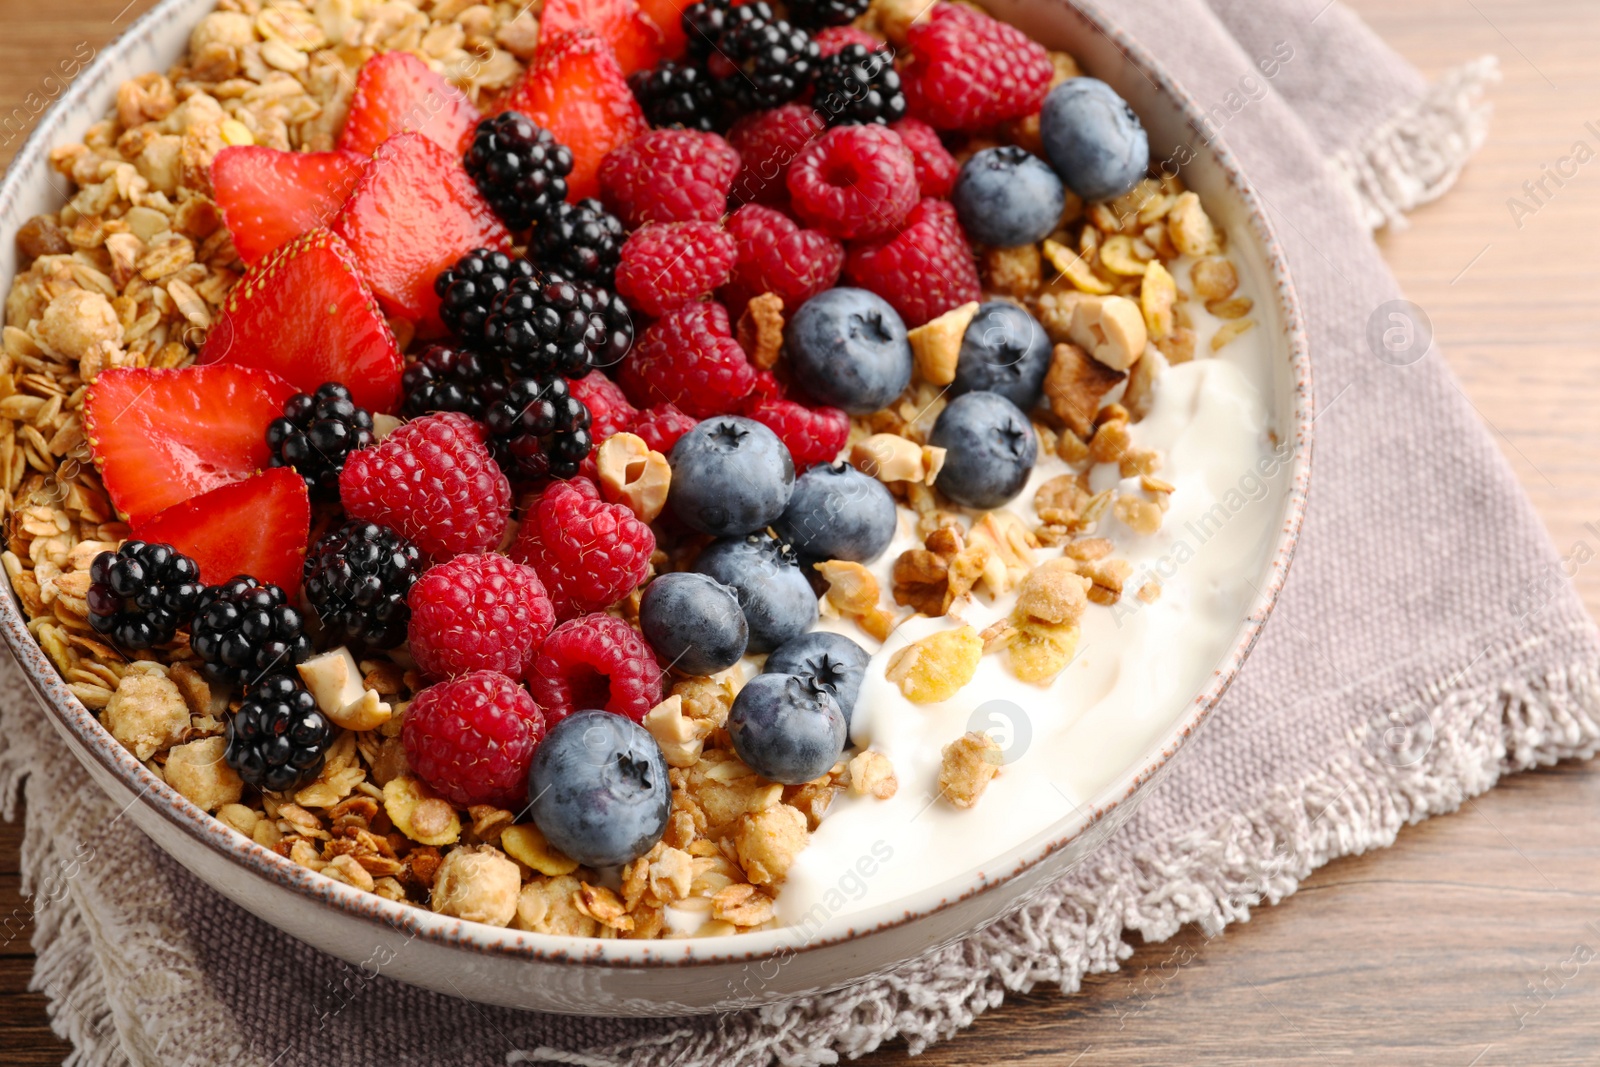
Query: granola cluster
[(133, 271)]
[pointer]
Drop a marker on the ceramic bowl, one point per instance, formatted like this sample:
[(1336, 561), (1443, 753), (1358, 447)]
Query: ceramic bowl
[(561, 974)]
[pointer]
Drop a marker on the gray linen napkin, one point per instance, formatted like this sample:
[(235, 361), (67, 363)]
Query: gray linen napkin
[(1421, 650)]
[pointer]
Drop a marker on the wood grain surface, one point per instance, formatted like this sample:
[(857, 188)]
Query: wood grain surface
[(1476, 939)]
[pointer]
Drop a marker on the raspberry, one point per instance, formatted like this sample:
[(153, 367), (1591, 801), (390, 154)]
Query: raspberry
[(478, 613), (689, 358), (666, 265), (434, 482), (969, 71), (777, 256), (923, 271), (835, 39), (472, 739), (767, 142), (590, 554), (669, 176), (936, 167), (854, 182), (812, 435), (595, 662), (767, 387), (661, 426), (609, 410)]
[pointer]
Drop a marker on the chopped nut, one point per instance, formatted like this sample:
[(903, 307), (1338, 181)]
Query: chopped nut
[(146, 713), (1111, 330), (335, 682), (936, 667), (1214, 278), (922, 581), (1141, 380), (967, 766), (891, 458), (1054, 593), (872, 774), (198, 771), (853, 590), (681, 738), (1074, 385), (422, 817), (760, 330), (1111, 441), (937, 344), (1007, 549), (633, 475), (1108, 575), (768, 841), (478, 884)]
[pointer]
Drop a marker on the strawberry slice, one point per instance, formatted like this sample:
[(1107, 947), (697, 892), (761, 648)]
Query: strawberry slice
[(414, 213), (668, 16), (396, 91), (306, 315), (268, 197), (633, 35), (159, 437), (257, 527), (574, 89)]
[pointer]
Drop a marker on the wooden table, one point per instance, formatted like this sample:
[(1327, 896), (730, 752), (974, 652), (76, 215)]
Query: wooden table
[(1393, 957)]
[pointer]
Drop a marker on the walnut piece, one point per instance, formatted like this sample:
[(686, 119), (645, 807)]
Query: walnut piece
[(1074, 385), (937, 344), (966, 767), (760, 330), (478, 884)]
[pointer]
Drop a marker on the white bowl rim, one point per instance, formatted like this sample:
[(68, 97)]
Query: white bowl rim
[(72, 716)]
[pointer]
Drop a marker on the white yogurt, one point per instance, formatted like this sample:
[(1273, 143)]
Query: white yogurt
[(1137, 667)]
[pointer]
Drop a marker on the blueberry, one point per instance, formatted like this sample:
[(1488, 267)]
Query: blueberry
[(765, 575), (831, 660), (1093, 138), (599, 788), (1007, 197), (730, 476), (1004, 351), (990, 450), (787, 729), (693, 622), (848, 348), (837, 512)]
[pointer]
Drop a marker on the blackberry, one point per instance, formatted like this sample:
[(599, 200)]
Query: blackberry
[(761, 61), (555, 327), (704, 22), (581, 240), (519, 167), (357, 579), (815, 14), (468, 289), (859, 86), (678, 94), (142, 593), (277, 739), (244, 630), (442, 378), (538, 429), (315, 435)]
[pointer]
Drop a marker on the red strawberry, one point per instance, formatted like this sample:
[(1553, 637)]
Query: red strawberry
[(306, 314), (635, 37), (257, 527), (396, 91), (574, 89), (268, 197), (414, 213), (159, 437), (668, 15)]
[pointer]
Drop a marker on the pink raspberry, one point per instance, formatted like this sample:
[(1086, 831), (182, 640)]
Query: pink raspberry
[(669, 176), (923, 271), (661, 426), (812, 435), (854, 182), (596, 662), (777, 256), (969, 71), (434, 482), (609, 410), (472, 739), (836, 39), (477, 613), (590, 554), (767, 143), (767, 387), (689, 358), (666, 265), (937, 169)]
